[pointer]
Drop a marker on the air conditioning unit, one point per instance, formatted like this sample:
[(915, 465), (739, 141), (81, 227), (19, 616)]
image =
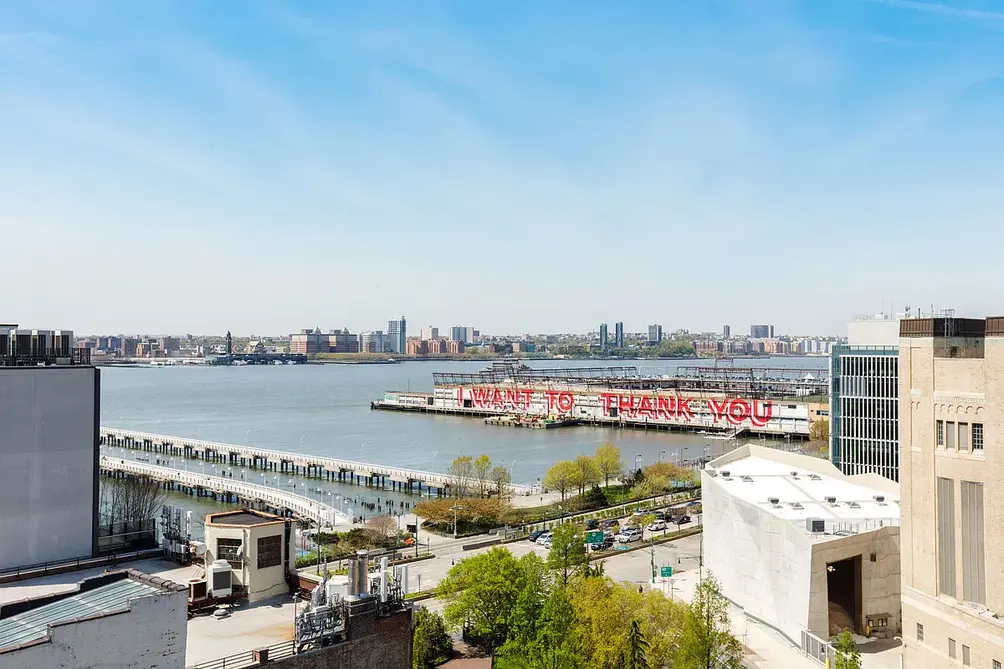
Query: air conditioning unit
[(830, 500), (198, 588), (220, 575), (878, 498), (773, 500), (815, 525), (794, 475)]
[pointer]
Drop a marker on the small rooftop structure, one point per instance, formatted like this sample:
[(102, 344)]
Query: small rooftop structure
[(243, 518)]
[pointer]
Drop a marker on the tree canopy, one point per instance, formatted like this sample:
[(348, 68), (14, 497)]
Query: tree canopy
[(568, 552), (562, 477), (608, 461)]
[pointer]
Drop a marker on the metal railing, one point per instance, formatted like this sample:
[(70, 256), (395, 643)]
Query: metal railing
[(73, 564), (819, 650), (73, 356), (251, 658)]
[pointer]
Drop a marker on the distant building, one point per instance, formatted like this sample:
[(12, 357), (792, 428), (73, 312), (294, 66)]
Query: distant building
[(119, 619), (343, 341), (371, 342), (129, 345), (654, 334), (397, 332), (619, 335), (255, 347), (524, 347), (455, 347), (308, 341), (429, 333), (49, 446), (417, 347), (169, 345), (761, 332), (603, 336), (864, 398), (726, 331), (462, 333)]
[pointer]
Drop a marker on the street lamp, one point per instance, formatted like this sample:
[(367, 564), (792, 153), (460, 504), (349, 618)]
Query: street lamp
[(455, 508), (661, 453), (361, 447), (434, 459), (301, 440), (510, 468), (637, 462), (250, 429), (198, 431)]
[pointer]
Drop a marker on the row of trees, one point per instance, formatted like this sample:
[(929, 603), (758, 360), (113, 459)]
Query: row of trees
[(585, 471), (563, 613), (478, 477)]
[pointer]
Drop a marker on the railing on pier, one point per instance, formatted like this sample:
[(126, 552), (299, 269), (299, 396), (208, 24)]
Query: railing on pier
[(301, 459), (251, 658), (300, 505)]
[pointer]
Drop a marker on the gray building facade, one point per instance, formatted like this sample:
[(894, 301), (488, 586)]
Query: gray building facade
[(397, 333), (604, 336), (619, 335)]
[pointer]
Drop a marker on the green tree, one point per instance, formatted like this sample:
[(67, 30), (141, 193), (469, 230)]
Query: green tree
[(461, 473), (820, 430), (432, 644), (847, 656), (501, 481), (483, 593), (637, 648), (561, 477), (707, 641), (608, 461), (588, 474), (568, 552), (555, 646), (482, 470)]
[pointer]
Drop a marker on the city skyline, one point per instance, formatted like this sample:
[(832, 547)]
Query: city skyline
[(202, 169)]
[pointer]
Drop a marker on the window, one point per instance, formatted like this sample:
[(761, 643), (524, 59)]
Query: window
[(950, 429), (941, 432), (920, 632), (977, 436), (270, 551), (974, 578), (227, 549), (951, 649), (963, 436), (965, 656), (997, 665), (946, 536)]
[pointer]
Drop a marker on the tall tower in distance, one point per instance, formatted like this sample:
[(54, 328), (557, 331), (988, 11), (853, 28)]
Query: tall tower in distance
[(603, 337), (398, 334), (230, 344), (619, 335), (726, 331)]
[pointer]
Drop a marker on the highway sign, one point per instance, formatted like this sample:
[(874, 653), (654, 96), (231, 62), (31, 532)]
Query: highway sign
[(594, 537), (666, 572)]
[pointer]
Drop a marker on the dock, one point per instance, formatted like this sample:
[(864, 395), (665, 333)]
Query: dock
[(226, 489), (532, 422), (302, 464)]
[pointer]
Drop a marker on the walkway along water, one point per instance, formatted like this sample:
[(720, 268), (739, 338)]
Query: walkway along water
[(312, 466), (230, 490)]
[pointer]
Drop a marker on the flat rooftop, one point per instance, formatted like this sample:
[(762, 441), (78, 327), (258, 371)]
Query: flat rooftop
[(245, 517), (806, 487), (29, 620)]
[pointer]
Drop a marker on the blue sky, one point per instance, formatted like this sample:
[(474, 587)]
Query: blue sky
[(518, 166)]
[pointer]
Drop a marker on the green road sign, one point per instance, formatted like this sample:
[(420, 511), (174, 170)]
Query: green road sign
[(666, 572), (594, 537)]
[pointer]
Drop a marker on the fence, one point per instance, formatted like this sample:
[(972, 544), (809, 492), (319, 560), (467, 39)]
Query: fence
[(251, 658), (819, 650), (74, 564)]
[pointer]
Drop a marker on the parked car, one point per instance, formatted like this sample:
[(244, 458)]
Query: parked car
[(680, 520), (657, 526), (660, 515), (544, 538), (611, 524), (592, 524), (535, 535), (608, 541), (629, 534), (696, 502), (547, 544)]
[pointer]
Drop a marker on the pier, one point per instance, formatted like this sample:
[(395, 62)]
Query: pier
[(229, 490), (301, 464)]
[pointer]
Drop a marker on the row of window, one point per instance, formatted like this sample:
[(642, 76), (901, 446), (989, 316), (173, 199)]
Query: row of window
[(953, 650), (870, 428), (974, 580), (269, 552), (959, 436)]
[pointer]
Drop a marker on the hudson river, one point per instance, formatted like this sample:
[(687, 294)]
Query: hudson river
[(325, 409)]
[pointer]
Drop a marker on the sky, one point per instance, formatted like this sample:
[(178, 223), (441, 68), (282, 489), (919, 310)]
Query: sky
[(526, 166)]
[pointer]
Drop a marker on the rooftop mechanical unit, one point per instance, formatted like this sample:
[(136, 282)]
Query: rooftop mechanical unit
[(220, 575)]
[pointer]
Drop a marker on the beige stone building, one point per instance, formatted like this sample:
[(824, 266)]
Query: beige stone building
[(260, 548), (951, 376)]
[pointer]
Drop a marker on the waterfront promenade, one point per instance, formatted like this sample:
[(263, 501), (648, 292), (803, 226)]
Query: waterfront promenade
[(228, 489), (311, 466)]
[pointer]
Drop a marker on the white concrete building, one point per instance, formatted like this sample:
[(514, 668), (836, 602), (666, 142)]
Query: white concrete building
[(49, 411), (260, 548), (122, 619), (800, 546)]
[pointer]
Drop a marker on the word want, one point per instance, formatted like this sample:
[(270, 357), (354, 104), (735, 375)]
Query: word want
[(634, 407)]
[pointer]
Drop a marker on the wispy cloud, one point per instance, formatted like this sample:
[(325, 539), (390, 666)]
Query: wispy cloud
[(944, 10)]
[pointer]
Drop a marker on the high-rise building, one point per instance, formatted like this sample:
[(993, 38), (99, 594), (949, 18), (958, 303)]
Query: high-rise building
[(343, 341), (397, 331), (307, 341), (463, 334), (864, 391), (761, 332), (654, 334), (726, 331), (619, 335), (429, 333), (371, 341), (603, 336), (952, 497), (49, 420)]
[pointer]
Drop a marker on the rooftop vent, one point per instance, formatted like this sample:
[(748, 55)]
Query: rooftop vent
[(854, 505), (815, 526), (773, 500), (712, 473), (815, 477), (794, 475), (878, 498), (797, 506), (725, 473), (748, 479), (830, 500)]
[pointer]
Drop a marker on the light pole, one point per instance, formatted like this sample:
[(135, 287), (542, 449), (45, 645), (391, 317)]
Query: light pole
[(198, 431), (302, 437), (434, 459), (637, 462), (361, 447), (250, 429), (455, 508), (661, 453)]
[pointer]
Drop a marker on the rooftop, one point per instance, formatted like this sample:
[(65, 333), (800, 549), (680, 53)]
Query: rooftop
[(29, 620), (801, 487), (244, 517)]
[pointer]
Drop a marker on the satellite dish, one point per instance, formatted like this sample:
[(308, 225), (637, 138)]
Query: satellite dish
[(200, 548)]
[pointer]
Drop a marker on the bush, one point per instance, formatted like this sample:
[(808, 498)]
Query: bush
[(432, 644)]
